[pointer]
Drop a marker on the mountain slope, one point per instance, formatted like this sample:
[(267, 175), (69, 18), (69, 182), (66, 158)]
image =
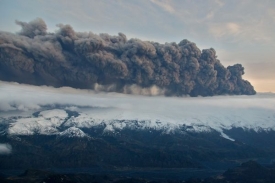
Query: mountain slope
[(49, 127)]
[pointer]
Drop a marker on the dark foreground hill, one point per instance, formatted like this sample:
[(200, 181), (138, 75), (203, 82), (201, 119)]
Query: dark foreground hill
[(130, 148), (146, 154), (250, 171)]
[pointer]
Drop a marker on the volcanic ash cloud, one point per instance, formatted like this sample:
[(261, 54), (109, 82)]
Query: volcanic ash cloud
[(114, 63)]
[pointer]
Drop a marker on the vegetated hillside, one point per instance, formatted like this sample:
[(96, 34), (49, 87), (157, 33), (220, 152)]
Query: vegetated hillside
[(249, 171), (133, 157), (128, 148)]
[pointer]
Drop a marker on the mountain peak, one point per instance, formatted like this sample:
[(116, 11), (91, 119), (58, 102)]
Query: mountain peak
[(73, 132)]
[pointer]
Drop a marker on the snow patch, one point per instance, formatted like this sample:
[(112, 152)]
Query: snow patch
[(46, 123), (73, 132)]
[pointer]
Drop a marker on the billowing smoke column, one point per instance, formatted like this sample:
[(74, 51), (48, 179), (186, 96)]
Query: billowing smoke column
[(113, 63)]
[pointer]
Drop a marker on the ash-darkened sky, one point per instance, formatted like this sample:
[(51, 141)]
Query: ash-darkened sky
[(240, 31)]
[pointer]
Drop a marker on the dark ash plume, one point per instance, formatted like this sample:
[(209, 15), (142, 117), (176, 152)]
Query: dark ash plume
[(87, 60), (33, 28)]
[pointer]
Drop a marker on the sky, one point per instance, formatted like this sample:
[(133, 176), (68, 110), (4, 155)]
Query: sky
[(239, 31)]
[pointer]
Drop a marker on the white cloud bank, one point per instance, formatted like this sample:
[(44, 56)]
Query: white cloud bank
[(158, 112)]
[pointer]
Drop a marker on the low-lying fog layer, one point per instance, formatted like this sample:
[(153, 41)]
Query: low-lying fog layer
[(5, 149), (222, 112)]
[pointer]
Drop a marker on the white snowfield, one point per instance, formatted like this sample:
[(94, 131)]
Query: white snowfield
[(46, 123), (115, 111)]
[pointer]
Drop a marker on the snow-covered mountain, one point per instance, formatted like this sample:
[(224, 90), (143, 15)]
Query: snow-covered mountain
[(54, 121), (28, 110), (66, 127)]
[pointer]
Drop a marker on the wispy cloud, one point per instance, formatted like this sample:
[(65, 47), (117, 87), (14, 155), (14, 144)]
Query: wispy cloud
[(5, 149), (210, 15), (166, 5), (219, 2), (225, 29)]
